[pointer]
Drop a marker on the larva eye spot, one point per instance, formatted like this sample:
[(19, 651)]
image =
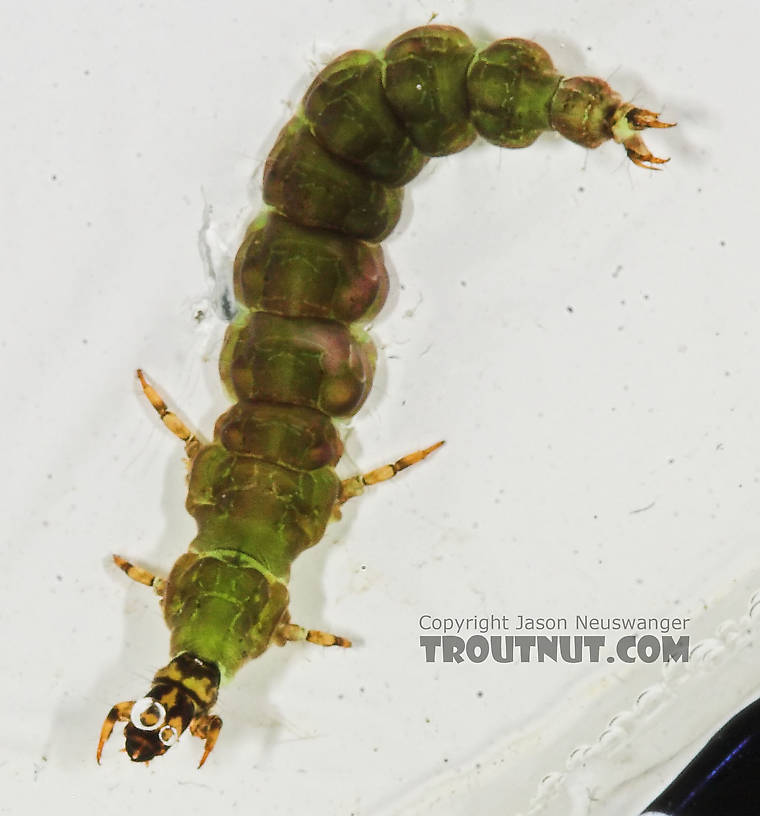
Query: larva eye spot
[(147, 714), (168, 735)]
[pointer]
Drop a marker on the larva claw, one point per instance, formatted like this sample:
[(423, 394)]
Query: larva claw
[(626, 124), (643, 158), (640, 118)]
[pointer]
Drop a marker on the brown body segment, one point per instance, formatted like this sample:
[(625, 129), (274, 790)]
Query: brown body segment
[(287, 269), (313, 188), (297, 361)]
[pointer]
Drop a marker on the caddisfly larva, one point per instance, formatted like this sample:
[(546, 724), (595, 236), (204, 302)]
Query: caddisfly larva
[(308, 276)]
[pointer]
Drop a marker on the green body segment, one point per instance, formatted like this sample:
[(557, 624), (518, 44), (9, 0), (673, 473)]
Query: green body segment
[(264, 511), (511, 85), (350, 116), (222, 607), (309, 276), (425, 82)]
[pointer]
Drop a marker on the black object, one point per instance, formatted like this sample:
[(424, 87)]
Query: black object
[(723, 779)]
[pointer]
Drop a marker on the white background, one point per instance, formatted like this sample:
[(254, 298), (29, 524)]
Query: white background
[(583, 333)]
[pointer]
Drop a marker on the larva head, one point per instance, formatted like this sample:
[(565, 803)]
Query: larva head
[(157, 721), (181, 695)]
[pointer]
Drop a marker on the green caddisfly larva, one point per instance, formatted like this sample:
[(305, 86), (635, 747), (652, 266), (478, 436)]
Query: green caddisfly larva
[(308, 276)]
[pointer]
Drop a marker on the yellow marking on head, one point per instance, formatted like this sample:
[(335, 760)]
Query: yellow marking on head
[(203, 686)]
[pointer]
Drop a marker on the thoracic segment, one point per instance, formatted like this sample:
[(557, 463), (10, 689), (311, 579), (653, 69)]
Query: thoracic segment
[(309, 276)]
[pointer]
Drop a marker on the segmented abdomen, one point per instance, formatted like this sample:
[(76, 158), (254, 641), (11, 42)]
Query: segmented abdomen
[(308, 276)]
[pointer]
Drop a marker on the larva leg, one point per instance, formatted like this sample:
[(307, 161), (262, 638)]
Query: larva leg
[(356, 484), (119, 713), (206, 727), (287, 632), (170, 419), (140, 575)]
